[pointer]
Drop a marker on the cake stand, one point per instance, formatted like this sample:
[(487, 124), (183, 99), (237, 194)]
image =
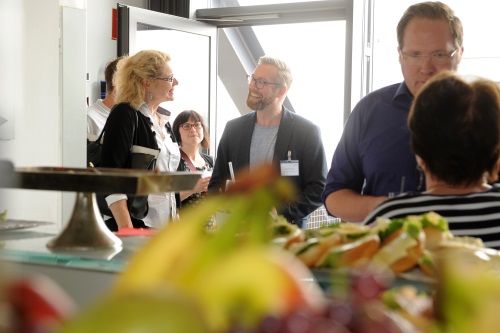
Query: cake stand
[(86, 228)]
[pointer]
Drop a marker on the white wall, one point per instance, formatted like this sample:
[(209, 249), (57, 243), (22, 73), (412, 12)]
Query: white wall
[(100, 47), (32, 91), (30, 96)]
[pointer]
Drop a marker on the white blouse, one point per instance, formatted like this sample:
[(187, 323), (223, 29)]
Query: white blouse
[(162, 207)]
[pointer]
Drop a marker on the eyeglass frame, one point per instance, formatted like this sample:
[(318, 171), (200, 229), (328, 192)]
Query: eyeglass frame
[(259, 83), (166, 79), (419, 58), (196, 125)]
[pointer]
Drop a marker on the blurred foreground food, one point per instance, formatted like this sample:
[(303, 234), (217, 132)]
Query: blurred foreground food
[(251, 275), (231, 278), (32, 304), (462, 297)]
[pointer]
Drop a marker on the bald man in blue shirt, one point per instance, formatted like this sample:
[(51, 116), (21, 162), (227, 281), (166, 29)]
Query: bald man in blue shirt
[(373, 157)]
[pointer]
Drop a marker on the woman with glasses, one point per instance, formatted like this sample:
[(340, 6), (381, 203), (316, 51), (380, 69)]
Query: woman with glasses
[(191, 133), (142, 82)]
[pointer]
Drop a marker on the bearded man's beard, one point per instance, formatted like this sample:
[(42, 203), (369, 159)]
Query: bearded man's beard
[(261, 104)]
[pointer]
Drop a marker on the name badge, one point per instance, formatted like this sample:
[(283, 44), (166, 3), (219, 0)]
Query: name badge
[(289, 167)]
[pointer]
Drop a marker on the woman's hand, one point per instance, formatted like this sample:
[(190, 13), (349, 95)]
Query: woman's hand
[(201, 186)]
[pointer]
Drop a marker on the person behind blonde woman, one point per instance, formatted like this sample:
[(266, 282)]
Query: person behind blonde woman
[(98, 113), (455, 134), (142, 81), (191, 132)]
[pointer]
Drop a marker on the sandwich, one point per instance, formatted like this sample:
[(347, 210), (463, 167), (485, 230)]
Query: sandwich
[(402, 244), (435, 228), (340, 244), (354, 253)]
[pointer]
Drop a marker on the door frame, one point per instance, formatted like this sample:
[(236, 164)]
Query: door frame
[(130, 17)]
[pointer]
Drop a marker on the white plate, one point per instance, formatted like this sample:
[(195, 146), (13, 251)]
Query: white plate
[(20, 224)]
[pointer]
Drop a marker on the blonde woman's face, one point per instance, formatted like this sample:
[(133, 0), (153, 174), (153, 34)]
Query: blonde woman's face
[(162, 89)]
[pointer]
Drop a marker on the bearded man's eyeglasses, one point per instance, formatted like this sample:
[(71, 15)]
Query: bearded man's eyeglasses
[(259, 83)]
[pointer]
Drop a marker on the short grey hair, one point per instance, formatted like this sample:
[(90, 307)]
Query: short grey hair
[(284, 72)]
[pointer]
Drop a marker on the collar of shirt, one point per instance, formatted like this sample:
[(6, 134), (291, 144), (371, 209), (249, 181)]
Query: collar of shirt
[(403, 91), (164, 117), (158, 128), (144, 109)]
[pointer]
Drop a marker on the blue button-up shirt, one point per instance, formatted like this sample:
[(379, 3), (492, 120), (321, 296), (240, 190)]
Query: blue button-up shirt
[(374, 156)]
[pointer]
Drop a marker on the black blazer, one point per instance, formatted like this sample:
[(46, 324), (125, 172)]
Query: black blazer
[(295, 133), (119, 135)]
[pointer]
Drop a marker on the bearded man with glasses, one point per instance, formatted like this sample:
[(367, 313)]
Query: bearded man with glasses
[(373, 158), (272, 134)]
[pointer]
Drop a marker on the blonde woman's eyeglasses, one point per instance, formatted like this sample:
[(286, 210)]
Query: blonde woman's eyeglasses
[(169, 79)]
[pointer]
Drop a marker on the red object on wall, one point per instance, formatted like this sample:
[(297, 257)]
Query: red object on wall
[(114, 24)]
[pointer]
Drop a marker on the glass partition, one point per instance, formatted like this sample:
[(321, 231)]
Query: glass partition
[(191, 65), (192, 46)]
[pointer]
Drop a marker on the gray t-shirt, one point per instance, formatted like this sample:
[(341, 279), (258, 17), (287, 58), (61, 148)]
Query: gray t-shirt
[(262, 146)]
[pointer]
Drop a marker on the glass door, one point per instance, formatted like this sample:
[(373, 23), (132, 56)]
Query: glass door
[(192, 46)]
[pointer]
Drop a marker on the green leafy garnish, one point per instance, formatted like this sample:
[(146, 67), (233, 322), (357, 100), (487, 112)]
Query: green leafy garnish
[(3, 216), (281, 230), (389, 299), (357, 235), (394, 225), (413, 228), (434, 220), (428, 261), (310, 243)]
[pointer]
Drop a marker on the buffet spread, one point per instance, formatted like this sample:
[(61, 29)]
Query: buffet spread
[(258, 273)]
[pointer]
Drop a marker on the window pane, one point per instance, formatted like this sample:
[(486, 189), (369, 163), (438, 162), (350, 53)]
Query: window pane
[(481, 53), (190, 65), (226, 110), (317, 91)]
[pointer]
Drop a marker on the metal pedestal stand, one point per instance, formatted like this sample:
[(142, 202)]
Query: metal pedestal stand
[(86, 229)]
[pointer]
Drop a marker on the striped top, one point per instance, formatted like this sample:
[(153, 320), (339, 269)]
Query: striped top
[(474, 214)]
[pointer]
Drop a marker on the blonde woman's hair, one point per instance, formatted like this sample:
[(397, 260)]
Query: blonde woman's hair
[(132, 70)]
